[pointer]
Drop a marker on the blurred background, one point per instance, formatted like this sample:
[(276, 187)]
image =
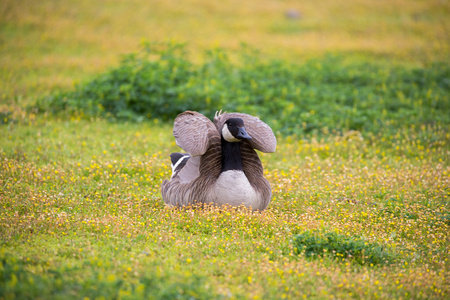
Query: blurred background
[(50, 44)]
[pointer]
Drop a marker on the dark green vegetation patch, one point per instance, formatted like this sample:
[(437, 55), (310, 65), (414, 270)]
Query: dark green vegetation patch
[(340, 246), (68, 283), (334, 93)]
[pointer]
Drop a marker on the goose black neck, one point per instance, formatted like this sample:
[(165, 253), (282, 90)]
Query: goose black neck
[(231, 156)]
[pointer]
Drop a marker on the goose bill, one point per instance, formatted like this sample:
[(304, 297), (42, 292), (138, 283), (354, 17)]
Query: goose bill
[(243, 135)]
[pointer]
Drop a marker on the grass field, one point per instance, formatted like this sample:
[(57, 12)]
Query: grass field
[(361, 186)]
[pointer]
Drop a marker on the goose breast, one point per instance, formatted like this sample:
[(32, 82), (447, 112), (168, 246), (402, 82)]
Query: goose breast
[(233, 188)]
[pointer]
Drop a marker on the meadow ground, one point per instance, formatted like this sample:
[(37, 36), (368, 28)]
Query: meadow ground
[(82, 215), (354, 214)]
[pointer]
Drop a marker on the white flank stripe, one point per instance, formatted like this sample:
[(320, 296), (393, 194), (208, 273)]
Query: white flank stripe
[(174, 167)]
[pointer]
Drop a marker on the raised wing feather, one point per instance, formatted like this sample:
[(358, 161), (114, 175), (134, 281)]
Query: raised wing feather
[(262, 135), (193, 132)]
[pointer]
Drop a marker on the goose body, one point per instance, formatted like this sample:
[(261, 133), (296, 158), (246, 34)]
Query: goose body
[(221, 165)]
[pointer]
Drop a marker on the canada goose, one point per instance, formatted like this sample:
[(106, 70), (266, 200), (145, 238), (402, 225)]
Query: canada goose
[(221, 165)]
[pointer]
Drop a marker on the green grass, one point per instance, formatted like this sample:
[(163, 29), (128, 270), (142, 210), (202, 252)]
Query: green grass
[(65, 281), (364, 172), (82, 216), (340, 247), (327, 94), (50, 44)]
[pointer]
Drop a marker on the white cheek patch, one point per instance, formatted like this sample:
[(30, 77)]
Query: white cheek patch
[(227, 135)]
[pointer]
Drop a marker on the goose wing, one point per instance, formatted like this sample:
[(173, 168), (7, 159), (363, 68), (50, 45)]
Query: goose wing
[(198, 136), (262, 135), (194, 132)]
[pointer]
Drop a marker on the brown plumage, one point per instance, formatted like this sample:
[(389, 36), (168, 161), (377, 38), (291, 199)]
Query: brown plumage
[(202, 180)]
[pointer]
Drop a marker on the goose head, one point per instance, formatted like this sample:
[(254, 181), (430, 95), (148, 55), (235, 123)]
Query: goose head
[(234, 131)]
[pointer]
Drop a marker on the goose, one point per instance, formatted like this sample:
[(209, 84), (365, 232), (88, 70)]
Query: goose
[(220, 165)]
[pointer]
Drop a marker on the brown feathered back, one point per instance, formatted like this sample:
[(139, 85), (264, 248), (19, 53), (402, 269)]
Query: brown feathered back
[(253, 170)]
